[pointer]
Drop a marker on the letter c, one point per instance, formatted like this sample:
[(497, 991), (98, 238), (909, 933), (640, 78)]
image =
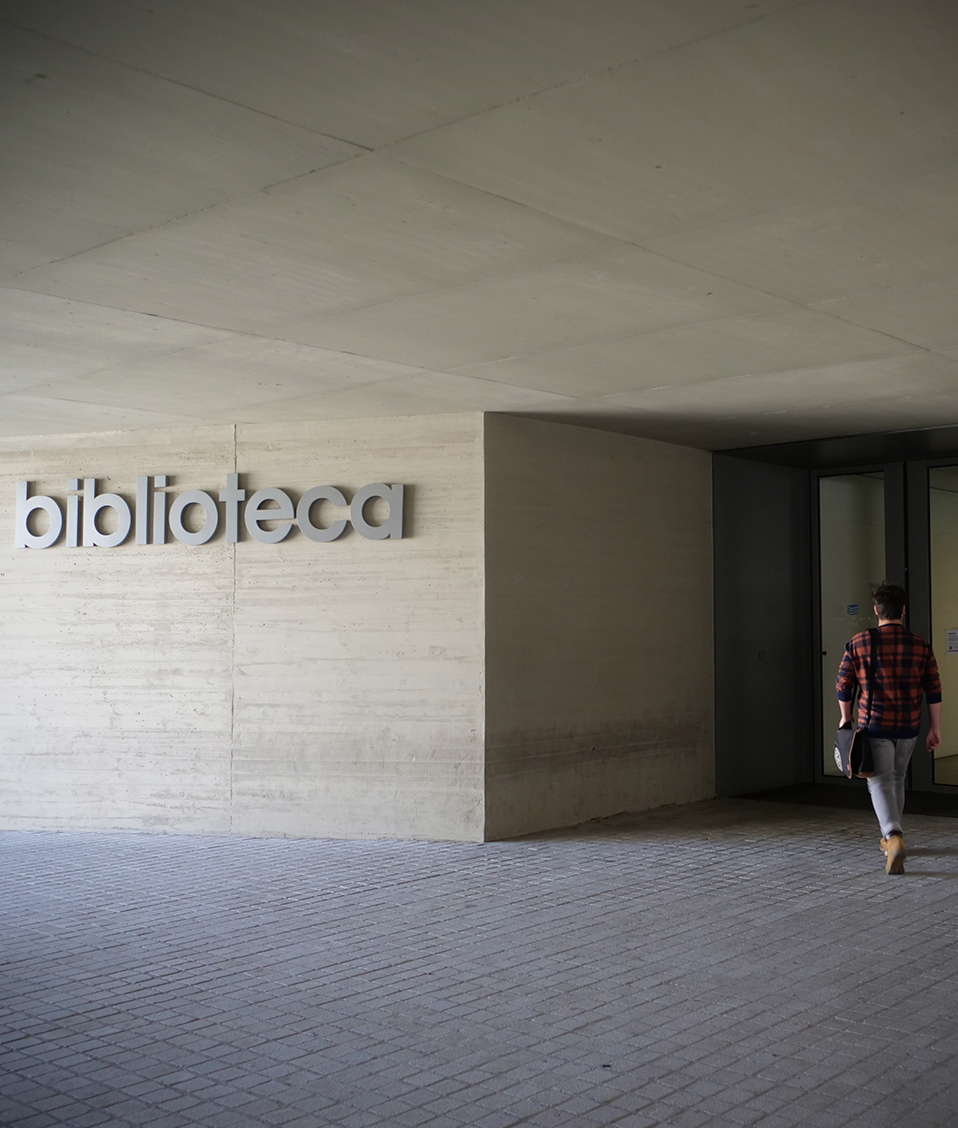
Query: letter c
[(306, 503)]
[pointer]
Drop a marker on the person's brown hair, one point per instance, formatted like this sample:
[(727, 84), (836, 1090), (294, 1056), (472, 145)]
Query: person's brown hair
[(889, 600)]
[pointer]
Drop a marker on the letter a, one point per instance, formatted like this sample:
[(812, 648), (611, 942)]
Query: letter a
[(392, 526)]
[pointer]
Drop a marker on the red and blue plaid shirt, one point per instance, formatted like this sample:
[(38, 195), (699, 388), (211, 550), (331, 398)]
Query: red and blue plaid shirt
[(906, 667)]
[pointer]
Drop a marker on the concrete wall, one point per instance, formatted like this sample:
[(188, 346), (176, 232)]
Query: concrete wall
[(115, 664), (339, 689), (296, 688), (598, 625), (359, 664)]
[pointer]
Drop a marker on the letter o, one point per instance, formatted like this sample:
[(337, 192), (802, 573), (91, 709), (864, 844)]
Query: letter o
[(194, 497), (306, 502)]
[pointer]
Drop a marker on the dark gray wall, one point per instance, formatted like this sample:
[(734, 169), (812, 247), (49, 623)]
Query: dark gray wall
[(764, 712)]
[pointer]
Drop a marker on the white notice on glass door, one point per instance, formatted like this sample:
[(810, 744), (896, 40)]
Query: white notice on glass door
[(952, 637)]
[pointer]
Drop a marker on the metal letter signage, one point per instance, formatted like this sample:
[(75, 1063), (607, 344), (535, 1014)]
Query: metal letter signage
[(267, 507), (23, 537), (93, 503)]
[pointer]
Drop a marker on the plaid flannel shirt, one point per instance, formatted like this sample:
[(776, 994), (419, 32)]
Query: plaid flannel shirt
[(906, 667)]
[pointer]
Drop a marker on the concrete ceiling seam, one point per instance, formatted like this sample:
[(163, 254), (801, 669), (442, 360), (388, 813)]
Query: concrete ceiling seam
[(174, 82), (704, 221)]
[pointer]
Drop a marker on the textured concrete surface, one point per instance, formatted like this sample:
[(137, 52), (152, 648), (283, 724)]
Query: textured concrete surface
[(339, 690), (300, 688), (599, 649), (713, 222), (731, 963)]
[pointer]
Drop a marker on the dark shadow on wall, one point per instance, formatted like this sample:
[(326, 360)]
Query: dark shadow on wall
[(764, 708)]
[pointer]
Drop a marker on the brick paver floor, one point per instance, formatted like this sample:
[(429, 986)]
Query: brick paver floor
[(726, 964)]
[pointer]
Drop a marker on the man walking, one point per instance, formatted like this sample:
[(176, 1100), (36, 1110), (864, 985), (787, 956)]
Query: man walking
[(904, 668)]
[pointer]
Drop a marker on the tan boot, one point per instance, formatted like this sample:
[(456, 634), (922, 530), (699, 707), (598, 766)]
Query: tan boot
[(895, 850), (883, 846)]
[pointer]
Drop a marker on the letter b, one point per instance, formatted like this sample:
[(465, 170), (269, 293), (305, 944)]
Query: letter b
[(92, 504), (23, 538)]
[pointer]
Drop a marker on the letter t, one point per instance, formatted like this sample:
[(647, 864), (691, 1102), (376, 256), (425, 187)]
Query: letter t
[(232, 495)]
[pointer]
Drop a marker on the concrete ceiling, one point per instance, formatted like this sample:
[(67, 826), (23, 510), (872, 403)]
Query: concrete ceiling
[(714, 222)]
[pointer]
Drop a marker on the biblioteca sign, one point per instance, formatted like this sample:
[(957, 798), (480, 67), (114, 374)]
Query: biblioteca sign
[(269, 515)]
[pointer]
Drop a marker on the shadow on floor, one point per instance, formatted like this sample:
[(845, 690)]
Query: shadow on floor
[(854, 797)]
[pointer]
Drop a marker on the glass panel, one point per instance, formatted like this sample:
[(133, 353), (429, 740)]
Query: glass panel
[(852, 509), (943, 498)]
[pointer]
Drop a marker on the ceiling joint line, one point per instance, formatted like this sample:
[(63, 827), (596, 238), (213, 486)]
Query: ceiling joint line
[(183, 85), (599, 73), (188, 215)]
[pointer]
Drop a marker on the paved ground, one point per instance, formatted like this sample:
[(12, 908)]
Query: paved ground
[(726, 964)]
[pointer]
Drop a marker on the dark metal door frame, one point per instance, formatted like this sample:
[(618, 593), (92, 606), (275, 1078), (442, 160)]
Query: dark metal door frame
[(907, 563), (819, 704)]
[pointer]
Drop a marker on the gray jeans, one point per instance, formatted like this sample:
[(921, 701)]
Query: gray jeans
[(887, 786)]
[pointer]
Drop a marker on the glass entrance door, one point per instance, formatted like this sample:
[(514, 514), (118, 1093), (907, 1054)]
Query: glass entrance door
[(852, 547), (943, 515)]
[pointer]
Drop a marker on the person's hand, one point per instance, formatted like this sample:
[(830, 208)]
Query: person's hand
[(934, 738)]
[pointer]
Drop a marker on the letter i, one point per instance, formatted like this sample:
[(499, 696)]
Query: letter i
[(159, 510), (73, 514)]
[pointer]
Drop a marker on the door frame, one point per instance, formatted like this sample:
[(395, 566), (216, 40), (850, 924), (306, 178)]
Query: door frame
[(892, 496), (918, 509), (907, 563)]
